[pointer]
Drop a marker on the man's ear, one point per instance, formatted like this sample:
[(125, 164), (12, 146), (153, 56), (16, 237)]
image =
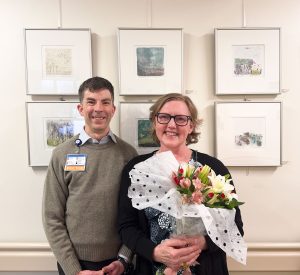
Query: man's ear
[(80, 109)]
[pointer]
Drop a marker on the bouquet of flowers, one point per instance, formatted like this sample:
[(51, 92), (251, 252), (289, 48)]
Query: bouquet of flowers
[(201, 201), (202, 185)]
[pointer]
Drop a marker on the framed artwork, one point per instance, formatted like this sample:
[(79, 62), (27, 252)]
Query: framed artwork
[(248, 133), (57, 60), (135, 126), (247, 61), (48, 125), (150, 61)]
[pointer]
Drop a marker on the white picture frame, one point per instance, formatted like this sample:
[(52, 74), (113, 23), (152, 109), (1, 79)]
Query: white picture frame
[(247, 61), (135, 126), (248, 133), (48, 125), (150, 61), (57, 60)]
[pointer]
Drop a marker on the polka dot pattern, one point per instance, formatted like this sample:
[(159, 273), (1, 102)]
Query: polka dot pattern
[(152, 186)]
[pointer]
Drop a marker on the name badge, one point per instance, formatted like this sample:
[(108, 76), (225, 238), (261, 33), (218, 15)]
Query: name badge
[(75, 162)]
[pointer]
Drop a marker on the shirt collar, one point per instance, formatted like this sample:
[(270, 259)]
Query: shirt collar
[(84, 137)]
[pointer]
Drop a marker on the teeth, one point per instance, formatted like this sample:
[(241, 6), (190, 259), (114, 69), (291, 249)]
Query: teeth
[(171, 134)]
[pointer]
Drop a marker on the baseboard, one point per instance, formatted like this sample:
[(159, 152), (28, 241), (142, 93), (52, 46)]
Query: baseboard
[(269, 257), (261, 257), (26, 257)]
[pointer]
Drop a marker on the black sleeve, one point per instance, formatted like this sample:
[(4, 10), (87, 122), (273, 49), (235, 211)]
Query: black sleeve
[(133, 227)]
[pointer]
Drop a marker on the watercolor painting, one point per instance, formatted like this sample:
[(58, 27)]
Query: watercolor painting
[(144, 135), (57, 61), (249, 139), (59, 130), (249, 132), (150, 61), (248, 60)]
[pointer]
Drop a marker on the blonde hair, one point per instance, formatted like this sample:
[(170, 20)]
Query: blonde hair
[(156, 107)]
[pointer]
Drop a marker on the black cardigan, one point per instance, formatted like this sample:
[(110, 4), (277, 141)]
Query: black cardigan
[(135, 233)]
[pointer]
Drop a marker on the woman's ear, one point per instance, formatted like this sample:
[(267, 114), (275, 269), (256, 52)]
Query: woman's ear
[(192, 127)]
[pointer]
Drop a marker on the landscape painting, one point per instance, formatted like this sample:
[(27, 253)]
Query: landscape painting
[(150, 61), (144, 134), (57, 61), (249, 132), (59, 130), (248, 60)]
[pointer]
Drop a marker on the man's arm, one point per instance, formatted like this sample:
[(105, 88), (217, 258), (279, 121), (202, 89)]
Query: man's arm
[(54, 204)]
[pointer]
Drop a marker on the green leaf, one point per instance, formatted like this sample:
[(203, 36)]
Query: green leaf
[(184, 191), (227, 176), (233, 203), (223, 204)]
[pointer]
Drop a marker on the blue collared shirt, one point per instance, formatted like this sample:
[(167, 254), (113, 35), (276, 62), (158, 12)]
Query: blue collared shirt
[(84, 137)]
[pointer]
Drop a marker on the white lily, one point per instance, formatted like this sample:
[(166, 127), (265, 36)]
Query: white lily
[(220, 184)]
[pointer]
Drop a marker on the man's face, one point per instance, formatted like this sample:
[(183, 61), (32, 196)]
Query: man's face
[(97, 108)]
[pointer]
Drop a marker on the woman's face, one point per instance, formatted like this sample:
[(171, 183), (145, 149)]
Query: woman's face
[(170, 135)]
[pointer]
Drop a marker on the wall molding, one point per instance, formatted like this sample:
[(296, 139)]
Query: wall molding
[(261, 257), (26, 257), (269, 257)]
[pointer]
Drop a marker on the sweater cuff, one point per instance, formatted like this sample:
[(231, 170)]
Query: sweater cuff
[(125, 253), (71, 268)]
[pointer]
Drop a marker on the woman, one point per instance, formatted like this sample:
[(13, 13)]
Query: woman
[(174, 120)]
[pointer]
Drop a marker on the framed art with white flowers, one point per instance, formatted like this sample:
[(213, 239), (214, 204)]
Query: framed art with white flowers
[(57, 60), (48, 125), (248, 133), (247, 61), (135, 126), (150, 61)]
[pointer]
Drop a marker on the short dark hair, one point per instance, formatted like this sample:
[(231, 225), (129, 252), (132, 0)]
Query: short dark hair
[(156, 107), (94, 84)]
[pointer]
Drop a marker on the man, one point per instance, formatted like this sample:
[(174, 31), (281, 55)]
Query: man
[(81, 189)]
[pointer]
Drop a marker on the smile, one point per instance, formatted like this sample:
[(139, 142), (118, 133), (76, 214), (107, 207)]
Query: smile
[(98, 117), (170, 133)]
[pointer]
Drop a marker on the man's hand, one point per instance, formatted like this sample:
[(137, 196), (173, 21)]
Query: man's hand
[(115, 268), (89, 272)]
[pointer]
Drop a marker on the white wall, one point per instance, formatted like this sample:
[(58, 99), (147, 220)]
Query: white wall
[(271, 194)]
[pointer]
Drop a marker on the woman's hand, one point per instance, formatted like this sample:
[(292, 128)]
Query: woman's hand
[(177, 251), (198, 240)]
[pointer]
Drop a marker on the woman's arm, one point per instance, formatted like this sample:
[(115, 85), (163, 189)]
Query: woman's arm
[(134, 232), (133, 227)]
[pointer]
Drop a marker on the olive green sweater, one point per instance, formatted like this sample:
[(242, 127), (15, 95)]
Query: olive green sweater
[(80, 208)]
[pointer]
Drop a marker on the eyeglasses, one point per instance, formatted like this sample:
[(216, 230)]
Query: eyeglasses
[(180, 120)]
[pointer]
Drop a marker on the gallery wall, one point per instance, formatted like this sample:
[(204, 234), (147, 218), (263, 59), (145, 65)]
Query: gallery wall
[(271, 194)]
